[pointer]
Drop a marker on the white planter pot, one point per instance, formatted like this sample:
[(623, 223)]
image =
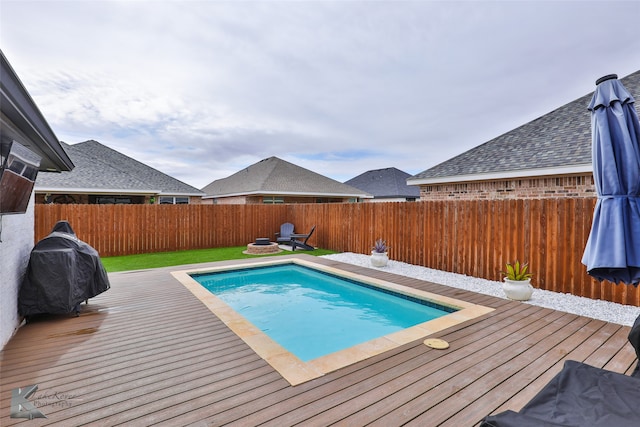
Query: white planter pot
[(379, 259), (519, 290)]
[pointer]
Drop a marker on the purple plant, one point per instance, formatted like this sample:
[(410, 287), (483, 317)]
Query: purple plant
[(380, 246)]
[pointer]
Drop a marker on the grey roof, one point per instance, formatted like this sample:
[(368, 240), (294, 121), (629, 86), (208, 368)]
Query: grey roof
[(100, 168), (561, 138), (277, 176), (385, 183)]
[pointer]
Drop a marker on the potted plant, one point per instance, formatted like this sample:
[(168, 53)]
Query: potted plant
[(517, 281), (379, 257)]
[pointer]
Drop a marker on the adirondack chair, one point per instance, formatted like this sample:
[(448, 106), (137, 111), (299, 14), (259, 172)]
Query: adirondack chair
[(297, 243), (284, 236)]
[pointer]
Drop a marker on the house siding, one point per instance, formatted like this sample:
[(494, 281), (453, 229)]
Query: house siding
[(580, 186), (259, 200), (16, 242), (389, 199), (83, 199)]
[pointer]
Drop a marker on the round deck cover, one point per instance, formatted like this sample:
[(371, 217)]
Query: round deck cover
[(436, 343)]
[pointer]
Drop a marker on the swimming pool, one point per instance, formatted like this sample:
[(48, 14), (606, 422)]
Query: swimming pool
[(313, 313), (298, 369)]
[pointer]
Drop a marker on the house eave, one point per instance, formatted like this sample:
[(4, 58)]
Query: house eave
[(23, 121), (66, 190), (172, 193), (494, 176), (286, 193)]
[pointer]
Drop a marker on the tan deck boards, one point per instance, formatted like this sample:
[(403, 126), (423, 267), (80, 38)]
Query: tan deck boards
[(148, 352)]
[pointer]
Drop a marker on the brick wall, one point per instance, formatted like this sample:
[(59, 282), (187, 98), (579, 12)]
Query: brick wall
[(524, 188)]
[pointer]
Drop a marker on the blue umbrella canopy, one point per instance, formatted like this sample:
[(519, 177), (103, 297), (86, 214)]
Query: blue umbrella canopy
[(613, 248)]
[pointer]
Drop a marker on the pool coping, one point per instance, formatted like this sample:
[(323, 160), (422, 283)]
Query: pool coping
[(294, 370)]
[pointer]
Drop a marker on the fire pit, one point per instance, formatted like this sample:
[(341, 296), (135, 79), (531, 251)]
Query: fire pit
[(262, 246)]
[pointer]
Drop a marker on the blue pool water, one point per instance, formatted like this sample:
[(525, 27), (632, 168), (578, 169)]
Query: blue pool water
[(311, 313)]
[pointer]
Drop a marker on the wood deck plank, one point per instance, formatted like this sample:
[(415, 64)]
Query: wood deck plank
[(148, 352), (486, 391), (370, 367), (486, 365), (119, 399), (396, 377), (608, 348), (584, 342)]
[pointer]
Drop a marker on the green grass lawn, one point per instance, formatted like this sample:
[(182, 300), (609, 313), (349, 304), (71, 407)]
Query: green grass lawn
[(166, 259)]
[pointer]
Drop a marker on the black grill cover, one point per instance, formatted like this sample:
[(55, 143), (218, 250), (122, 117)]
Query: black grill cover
[(63, 271), (634, 339)]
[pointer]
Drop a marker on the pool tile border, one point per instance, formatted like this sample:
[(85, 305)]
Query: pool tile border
[(294, 370)]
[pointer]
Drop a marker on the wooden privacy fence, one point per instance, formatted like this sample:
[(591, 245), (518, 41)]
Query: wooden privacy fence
[(474, 238), (134, 229)]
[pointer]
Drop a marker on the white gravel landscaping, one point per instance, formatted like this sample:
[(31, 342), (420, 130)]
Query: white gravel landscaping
[(596, 309)]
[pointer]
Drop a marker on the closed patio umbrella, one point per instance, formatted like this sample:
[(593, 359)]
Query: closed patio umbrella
[(613, 248)]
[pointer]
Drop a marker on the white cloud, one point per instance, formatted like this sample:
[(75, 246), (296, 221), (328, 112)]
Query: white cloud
[(200, 89)]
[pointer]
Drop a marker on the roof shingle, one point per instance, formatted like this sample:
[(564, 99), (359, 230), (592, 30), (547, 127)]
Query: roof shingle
[(274, 175), (560, 138), (99, 167), (385, 183)]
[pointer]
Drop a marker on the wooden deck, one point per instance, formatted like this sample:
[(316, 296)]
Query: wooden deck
[(147, 352)]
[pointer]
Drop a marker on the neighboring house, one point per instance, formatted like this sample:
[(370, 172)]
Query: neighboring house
[(547, 157), (274, 180), (20, 121), (386, 185), (105, 176)]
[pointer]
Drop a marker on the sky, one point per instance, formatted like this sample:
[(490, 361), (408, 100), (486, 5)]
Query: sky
[(202, 89)]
